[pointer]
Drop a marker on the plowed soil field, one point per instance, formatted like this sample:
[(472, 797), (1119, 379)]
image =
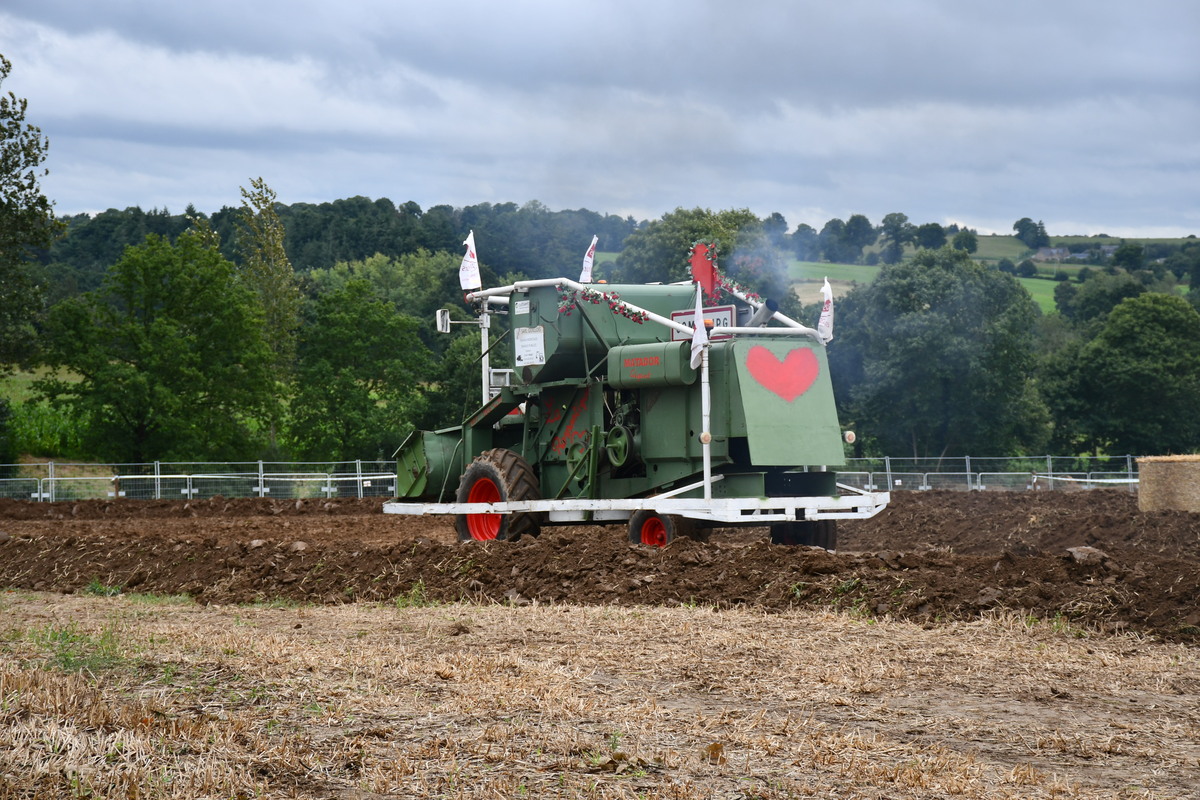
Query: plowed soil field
[(929, 556), (985, 645)]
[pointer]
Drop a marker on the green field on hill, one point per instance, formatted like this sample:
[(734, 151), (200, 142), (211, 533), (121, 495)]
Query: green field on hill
[(807, 277)]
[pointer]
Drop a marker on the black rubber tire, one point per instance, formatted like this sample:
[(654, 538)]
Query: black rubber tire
[(811, 533), (501, 475), (658, 530)]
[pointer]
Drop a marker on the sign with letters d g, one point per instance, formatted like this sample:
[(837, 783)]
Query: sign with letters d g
[(721, 316)]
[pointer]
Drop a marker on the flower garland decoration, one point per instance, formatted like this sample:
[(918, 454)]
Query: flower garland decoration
[(568, 301), (733, 287)]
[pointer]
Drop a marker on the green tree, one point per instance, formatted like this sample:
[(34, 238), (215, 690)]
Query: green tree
[(775, 227), (860, 234), (1130, 256), (806, 243), (360, 375), (833, 242), (1032, 234), (935, 359), (966, 240), (455, 392), (416, 283), (269, 272), (170, 355), (1132, 389), (895, 231), (1100, 294), (26, 222), (659, 252), (8, 445), (931, 236)]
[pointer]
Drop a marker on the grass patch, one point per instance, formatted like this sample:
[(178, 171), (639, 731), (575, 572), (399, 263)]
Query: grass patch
[(68, 649), (160, 599), (98, 589), (414, 597), (38, 428)]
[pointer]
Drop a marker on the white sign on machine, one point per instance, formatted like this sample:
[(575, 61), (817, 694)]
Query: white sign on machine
[(721, 316)]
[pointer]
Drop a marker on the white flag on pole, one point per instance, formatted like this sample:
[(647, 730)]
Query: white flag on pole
[(825, 323), (586, 275), (468, 270), (700, 334)]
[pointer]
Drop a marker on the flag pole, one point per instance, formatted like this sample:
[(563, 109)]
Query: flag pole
[(700, 339), (485, 322), (705, 415)]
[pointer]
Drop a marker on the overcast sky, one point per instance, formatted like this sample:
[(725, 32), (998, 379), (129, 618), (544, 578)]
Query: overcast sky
[(1081, 113)]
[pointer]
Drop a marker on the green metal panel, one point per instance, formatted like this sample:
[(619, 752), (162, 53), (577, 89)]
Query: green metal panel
[(577, 340), (639, 366), (787, 402), (429, 464)]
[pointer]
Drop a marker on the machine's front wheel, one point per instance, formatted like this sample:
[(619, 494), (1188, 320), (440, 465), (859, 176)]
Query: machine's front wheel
[(657, 530), (814, 533), (497, 476)]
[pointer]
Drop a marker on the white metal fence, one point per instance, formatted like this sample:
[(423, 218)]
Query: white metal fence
[(969, 473), (161, 480)]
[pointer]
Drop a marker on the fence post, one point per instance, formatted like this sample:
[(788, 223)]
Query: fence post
[(50, 477), (262, 489), (358, 469), (887, 467), (967, 463), (1049, 472)]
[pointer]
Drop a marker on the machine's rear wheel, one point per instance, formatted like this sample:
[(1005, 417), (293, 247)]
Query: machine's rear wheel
[(814, 533), (497, 476), (657, 530)]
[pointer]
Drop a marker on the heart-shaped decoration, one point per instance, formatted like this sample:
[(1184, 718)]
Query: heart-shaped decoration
[(789, 378)]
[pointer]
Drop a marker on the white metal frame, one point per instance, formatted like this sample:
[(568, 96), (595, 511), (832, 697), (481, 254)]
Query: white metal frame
[(725, 510)]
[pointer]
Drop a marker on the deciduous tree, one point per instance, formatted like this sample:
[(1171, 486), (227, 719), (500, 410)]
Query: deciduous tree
[(170, 355), (26, 222), (931, 236), (1032, 234), (895, 231), (934, 358), (966, 240), (659, 251), (361, 370), (269, 272), (1132, 389)]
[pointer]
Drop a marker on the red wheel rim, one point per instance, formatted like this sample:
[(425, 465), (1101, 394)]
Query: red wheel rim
[(654, 532), (483, 527)]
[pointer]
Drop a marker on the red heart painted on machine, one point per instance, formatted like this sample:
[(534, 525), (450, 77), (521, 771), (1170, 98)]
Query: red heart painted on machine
[(789, 378)]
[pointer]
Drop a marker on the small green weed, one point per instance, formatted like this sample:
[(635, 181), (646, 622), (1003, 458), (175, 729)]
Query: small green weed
[(72, 651), (95, 587), (414, 597), (160, 599)]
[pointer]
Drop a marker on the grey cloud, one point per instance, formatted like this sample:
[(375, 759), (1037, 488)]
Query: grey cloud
[(981, 110)]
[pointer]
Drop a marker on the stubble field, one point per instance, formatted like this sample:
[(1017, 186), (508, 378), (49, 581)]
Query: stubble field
[(952, 647)]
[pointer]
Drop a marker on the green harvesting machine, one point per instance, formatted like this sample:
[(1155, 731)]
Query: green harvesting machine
[(617, 411)]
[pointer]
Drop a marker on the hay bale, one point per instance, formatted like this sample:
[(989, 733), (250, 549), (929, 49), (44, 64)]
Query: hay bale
[(1169, 483)]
